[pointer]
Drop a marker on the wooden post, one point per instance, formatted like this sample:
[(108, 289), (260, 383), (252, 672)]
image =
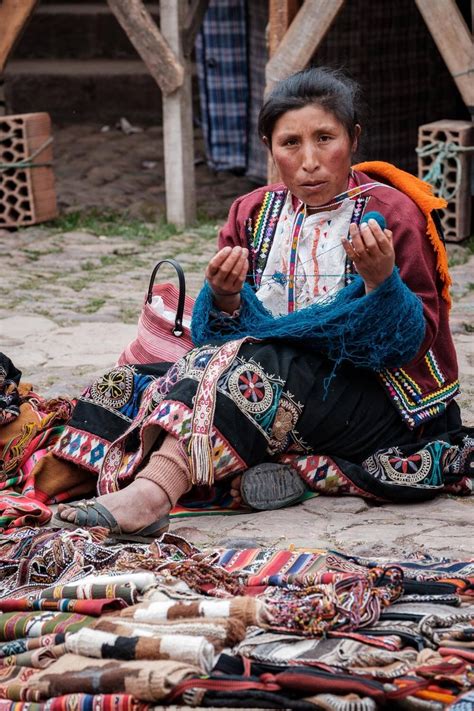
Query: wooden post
[(14, 14), (192, 24), (161, 61), (302, 39), (3, 103), (281, 15), (454, 41), (178, 125)]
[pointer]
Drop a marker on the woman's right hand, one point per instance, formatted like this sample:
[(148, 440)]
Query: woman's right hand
[(226, 274)]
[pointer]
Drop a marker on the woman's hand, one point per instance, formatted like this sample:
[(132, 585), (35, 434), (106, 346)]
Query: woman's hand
[(371, 250), (226, 274)]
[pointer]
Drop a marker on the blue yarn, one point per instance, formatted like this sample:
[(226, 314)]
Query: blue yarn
[(377, 216), (382, 329)]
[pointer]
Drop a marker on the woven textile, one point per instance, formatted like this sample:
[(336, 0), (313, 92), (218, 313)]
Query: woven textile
[(9, 394), (79, 702), (247, 609), (15, 625), (220, 633), (145, 680), (379, 630), (36, 428), (83, 607), (30, 427), (17, 510), (28, 644), (101, 644), (221, 57), (345, 653), (33, 561)]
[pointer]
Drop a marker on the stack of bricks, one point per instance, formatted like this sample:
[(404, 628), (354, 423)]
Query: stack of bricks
[(456, 218), (27, 194)]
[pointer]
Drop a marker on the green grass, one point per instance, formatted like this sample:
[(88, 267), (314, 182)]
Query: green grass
[(115, 224), (80, 284), (94, 305), (460, 257)]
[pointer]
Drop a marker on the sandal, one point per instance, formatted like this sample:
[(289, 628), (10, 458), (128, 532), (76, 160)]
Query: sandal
[(91, 513), (271, 486)]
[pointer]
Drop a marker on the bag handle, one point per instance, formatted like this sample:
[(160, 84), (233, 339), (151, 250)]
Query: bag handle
[(178, 329)]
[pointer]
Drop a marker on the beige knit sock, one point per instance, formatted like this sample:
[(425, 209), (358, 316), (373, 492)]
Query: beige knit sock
[(169, 469)]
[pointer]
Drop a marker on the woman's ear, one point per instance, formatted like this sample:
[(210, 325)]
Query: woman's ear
[(267, 143), (355, 142)]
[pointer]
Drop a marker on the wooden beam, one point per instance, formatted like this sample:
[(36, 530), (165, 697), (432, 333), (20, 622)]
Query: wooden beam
[(162, 63), (192, 24), (454, 41), (302, 39), (3, 103), (14, 14), (281, 14), (178, 135)]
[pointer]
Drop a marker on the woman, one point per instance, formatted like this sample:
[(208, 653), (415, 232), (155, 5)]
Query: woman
[(352, 312)]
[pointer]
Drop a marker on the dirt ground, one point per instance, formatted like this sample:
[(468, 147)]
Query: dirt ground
[(70, 303), (124, 172)]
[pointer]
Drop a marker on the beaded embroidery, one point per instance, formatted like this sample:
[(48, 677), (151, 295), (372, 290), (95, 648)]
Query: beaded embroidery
[(264, 230), (406, 395)]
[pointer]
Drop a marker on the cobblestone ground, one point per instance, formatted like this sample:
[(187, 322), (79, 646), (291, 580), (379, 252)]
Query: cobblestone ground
[(70, 302)]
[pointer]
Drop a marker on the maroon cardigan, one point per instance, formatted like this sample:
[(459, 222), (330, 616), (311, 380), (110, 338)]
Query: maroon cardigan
[(421, 389)]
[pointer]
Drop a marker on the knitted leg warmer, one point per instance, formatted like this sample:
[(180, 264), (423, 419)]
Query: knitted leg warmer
[(169, 469)]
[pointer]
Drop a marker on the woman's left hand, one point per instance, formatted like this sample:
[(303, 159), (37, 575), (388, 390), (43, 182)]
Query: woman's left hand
[(372, 252)]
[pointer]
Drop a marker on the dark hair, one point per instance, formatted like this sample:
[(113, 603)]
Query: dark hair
[(329, 88)]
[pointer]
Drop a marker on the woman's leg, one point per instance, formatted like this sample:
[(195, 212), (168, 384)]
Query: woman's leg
[(154, 491)]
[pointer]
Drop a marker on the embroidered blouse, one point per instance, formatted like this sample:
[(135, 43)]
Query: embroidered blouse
[(318, 258)]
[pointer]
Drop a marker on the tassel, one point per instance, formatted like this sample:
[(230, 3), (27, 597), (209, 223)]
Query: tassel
[(200, 449), (201, 464)]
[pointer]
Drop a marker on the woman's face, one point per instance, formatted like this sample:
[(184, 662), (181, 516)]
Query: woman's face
[(312, 152)]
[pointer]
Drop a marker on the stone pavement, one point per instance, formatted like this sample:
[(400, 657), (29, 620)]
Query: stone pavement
[(70, 302)]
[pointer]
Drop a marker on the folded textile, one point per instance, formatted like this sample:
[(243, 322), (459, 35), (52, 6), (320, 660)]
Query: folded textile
[(127, 592), (17, 510), (292, 684), (9, 395), (37, 426), (249, 610), (52, 480), (225, 632), (36, 658), (141, 580), (18, 646), (79, 702), (193, 650), (83, 607), (14, 625), (343, 653), (13, 682), (146, 681)]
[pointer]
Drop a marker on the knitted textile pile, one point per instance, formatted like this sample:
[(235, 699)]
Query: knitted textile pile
[(382, 329), (87, 625)]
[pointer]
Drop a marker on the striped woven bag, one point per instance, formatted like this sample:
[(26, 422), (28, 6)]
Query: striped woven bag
[(162, 336)]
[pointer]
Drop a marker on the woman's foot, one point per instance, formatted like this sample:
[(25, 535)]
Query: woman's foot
[(137, 506)]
